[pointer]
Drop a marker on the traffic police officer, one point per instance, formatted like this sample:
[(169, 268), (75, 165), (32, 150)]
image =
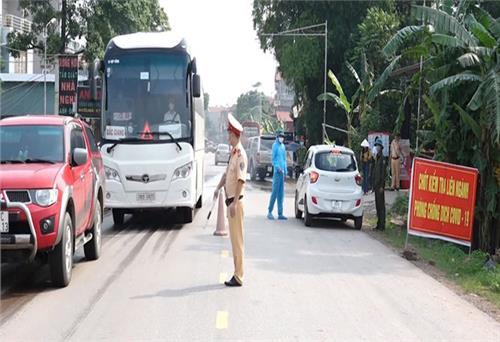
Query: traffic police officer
[(233, 181)]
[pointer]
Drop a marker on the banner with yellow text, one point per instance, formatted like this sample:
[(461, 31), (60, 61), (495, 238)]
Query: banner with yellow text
[(442, 201)]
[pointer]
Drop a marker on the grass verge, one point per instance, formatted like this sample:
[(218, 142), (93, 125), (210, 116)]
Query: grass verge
[(454, 261)]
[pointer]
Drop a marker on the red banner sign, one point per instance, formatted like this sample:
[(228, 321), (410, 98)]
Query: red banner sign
[(442, 201)]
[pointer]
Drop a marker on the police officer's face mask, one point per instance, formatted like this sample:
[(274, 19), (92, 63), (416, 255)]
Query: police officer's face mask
[(281, 139)]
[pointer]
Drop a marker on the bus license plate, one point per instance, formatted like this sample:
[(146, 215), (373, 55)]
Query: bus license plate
[(337, 205), (145, 197), (4, 221)]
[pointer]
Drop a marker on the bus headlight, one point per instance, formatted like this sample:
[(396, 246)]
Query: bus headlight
[(112, 174), (183, 171)]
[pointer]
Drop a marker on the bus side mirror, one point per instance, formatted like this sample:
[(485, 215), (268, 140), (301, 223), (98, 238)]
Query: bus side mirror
[(196, 86), (194, 69)]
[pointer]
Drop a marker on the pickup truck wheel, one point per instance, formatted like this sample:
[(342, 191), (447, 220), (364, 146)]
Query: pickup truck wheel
[(118, 217), (358, 222), (61, 258), (262, 175), (92, 248), (253, 174)]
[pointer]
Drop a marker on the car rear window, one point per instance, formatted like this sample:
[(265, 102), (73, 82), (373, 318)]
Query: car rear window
[(266, 144), (335, 161)]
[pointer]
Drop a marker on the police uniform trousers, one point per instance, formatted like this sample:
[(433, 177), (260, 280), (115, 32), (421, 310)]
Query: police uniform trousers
[(395, 173), (380, 205), (237, 241)]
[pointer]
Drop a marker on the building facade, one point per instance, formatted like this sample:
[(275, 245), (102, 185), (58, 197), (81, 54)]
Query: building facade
[(283, 102)]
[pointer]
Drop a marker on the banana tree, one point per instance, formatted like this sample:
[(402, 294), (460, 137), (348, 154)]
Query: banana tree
[(460, 58), (341, 101)]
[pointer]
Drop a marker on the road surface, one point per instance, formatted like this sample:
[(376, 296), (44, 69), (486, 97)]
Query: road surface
[(160, 281)]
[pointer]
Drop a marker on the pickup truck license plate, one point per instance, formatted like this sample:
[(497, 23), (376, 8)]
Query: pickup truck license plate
[(337, 205), (4, 221), (145, 197)]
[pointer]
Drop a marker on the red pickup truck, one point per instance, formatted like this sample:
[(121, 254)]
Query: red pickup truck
[(51, 191)]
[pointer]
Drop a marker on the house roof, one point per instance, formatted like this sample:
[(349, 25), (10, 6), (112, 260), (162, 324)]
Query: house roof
[(283, 116)]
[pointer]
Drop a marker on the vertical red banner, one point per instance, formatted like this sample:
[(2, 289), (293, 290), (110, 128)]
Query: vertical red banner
[(68, 81), (442, 201)]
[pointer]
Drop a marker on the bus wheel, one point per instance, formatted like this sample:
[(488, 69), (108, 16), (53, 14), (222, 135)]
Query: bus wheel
[(185, 214)]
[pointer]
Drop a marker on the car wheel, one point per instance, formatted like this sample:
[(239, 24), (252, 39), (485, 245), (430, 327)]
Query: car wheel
[(298, 212), (199, 204), (253, 174), (358, 222), (307, 216), (118, 217), (185, 214), (92, 249), (61, 258)]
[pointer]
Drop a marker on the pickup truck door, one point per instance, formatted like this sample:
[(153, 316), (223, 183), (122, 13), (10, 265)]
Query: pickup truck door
[(80, 181)]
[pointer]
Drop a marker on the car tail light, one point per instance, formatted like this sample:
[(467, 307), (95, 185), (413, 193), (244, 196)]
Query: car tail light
[(314, 199), (359, 179), (358, 203), (313, 177)]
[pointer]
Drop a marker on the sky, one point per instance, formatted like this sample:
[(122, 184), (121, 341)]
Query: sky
[(221, 36)]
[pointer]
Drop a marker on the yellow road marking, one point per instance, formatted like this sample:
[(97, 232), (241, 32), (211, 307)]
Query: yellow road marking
[(224, 253), (222, 278), (221, 320)]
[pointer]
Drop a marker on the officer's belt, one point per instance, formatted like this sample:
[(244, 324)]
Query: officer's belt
[(231, 200)]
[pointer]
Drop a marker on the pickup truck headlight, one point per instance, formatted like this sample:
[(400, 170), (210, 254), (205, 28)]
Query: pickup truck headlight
[(183, 171), (45, 197), (112, 174)]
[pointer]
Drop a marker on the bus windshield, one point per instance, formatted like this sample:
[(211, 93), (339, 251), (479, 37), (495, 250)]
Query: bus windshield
[(147, 97)]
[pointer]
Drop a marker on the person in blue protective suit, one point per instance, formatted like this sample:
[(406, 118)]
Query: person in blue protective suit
[(279, 173)]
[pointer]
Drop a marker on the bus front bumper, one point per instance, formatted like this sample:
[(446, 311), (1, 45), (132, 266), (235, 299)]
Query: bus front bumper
[(181, 193)]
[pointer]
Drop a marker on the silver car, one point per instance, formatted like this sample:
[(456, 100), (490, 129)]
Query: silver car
[(222, 154)]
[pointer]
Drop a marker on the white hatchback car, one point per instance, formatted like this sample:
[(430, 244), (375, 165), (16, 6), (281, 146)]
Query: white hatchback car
[(330, 186)]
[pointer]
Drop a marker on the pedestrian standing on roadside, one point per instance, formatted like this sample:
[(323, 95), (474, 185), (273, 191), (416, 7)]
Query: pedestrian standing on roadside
[(379, 185), (233, 181), (396, 156), (366, 158), (279, 173)]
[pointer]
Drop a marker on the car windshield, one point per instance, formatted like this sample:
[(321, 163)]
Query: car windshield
[(147, 93), (31, 143), (335, 161), (266, 144)]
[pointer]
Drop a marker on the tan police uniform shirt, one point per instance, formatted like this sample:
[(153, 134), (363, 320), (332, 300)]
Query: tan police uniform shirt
[(395, 149), (236, 171)]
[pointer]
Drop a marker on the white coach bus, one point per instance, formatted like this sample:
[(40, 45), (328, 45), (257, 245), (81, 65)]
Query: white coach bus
[(152, 125)]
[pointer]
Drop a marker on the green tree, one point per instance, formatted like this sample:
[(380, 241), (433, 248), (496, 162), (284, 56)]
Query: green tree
[(42, 11), (108, 18), (301, 58), (459, 46), (249, 106), (95, 20)]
